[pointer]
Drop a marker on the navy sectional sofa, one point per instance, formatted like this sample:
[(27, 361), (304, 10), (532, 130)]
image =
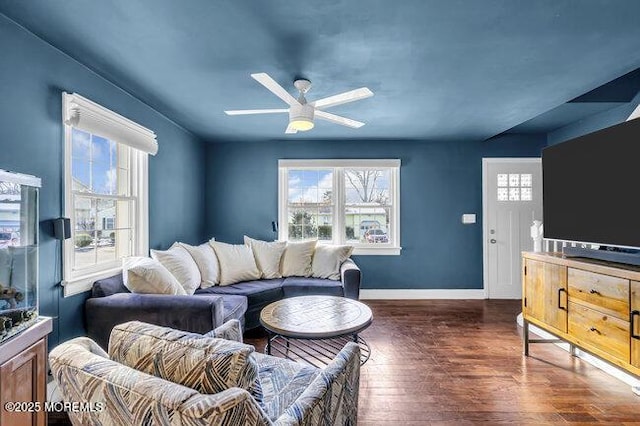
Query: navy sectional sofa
[(111, 303)]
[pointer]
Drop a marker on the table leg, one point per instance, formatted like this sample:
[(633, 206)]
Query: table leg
[(269, 336), (525, 337)]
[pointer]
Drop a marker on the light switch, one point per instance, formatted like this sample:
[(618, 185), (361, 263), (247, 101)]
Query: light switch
[(468, 218)]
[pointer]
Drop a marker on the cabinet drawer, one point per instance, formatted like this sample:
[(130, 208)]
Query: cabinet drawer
[(601, 292), (602, 331)]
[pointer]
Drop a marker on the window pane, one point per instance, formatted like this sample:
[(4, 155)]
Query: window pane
[(80, 145), (81, 175), (367, 206), (514, 180), (514, 194), (503, 194), (525, 180), (103, 166), (311, 223), (84, 210), (526, 194), (310, 186), (84, 249), (503, 179)]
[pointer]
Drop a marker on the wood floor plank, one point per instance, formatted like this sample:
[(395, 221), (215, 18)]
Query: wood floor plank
[(460, 362)]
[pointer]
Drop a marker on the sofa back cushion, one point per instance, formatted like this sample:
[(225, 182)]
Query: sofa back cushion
[(268, 256), (108, 286), (206, 364), (327, 260), (236, 263), (297, 258), (207, 262), (147, 276), (179, 262)]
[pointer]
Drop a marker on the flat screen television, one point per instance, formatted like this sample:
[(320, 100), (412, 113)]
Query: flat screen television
[(591, 188)]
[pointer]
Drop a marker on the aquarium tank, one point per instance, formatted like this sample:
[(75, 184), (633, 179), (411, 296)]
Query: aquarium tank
[(18, 252)]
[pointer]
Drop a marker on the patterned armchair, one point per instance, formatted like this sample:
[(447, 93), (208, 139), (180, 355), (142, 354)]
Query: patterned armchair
[(131, 385)]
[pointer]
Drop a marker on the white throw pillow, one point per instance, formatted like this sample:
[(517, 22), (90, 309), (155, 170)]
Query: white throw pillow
[(296, 260), (180, 263), (267, 255), (146, 275), (327, 260), (236, 263), (207, 262)]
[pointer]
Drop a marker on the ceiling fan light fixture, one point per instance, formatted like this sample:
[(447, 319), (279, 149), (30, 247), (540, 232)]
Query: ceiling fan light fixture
[(301, 117)]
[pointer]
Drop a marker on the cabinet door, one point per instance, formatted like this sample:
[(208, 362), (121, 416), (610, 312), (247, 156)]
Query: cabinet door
[(635, 325), (545, 291), (23, 379)]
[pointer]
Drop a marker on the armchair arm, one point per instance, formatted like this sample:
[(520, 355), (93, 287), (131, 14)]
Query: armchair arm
[(332, 395), (351, 276), (230, 330), (128, 396), (197, 314)]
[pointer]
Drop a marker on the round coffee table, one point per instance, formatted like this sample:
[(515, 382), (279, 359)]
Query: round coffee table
[(315, 328)]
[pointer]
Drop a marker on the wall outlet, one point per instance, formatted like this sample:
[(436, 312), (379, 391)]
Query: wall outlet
[(468, 218)]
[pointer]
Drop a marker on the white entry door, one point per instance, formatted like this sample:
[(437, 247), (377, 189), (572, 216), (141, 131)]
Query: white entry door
[(512, 199)]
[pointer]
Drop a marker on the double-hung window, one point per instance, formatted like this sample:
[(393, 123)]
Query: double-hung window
[(106, 181), (354, 202)]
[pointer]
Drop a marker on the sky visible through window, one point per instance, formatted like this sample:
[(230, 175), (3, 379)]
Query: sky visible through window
[(94, 162), (315, 186)]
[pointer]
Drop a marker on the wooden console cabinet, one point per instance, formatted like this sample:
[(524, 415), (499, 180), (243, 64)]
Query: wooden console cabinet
[(23, 375), (591, 304)]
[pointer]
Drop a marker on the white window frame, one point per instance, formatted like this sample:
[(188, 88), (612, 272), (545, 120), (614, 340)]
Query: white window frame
[(110, 123), (338, 167)]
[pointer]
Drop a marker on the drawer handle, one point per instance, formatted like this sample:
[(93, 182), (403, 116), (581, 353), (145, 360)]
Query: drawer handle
[(594, 291), (594, 330), (633, 315), (560, 290)]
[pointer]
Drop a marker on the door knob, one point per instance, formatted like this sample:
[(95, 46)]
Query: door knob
[(493, 241)]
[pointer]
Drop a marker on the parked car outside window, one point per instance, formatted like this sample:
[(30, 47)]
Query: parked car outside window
[(376, 236)]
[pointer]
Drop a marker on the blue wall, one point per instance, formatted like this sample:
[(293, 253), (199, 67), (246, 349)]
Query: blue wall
[(439, 182), (593, 123), (32, 76)]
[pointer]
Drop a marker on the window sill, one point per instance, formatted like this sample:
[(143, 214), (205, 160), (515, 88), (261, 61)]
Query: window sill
[(376, 251), (84, 283)]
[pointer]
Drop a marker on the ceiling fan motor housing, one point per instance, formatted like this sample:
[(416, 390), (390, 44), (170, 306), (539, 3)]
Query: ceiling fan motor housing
[(301, 116)]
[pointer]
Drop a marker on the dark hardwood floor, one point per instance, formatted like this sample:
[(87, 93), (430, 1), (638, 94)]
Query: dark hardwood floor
[(456, 362), (460, 362)]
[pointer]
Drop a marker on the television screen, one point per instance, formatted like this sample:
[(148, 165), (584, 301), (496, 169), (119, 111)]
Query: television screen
[(591, 187)]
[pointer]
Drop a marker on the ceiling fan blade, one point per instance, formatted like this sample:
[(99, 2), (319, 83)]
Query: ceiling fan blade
[(275, 88), (255, 111), (342, 98), (290, 130), (323, 115)]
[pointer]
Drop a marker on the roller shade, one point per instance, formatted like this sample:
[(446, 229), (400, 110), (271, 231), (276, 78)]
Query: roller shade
[(83, 114)]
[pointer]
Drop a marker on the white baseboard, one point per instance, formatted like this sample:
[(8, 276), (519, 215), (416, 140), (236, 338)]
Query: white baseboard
[(405, 294)]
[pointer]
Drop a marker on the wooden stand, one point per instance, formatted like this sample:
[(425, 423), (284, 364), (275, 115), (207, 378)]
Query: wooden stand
[(23, 374), (591, 304)]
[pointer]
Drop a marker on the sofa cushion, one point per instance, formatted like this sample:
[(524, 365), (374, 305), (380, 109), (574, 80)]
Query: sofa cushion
[(236, 261), (297, 257), (268, 256), (207, 262), (205, 364), (300, 286), (327, 260), (180, 263), (282, 381), (257, 292), (234, 307), (147, 276), (108, 286)]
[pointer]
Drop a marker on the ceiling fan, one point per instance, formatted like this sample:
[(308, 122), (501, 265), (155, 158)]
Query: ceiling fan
[(301, 112)]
